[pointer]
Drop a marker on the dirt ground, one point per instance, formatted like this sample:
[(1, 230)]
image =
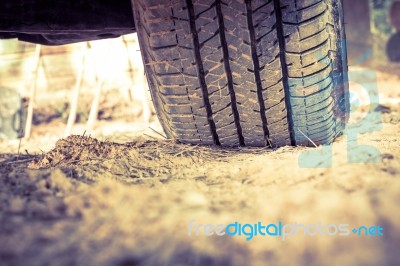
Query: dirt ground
[(109, 201)]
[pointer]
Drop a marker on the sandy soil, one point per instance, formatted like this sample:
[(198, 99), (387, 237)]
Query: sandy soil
[(92, 202)]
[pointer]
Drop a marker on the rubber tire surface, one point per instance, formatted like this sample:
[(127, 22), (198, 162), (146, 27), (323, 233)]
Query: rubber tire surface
[(253, 73)]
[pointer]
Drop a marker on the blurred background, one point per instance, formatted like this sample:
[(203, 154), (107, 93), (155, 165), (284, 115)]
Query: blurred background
[(373, 29), (99, 88), (104, 79)]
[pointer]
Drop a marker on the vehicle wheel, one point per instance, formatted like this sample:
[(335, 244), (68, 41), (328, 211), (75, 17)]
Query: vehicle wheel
[(253, 73)]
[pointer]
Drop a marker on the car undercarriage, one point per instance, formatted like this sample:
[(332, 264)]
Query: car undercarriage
[(62, 22)]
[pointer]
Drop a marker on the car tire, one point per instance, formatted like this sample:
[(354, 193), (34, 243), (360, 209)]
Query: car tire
[(246, 73)]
